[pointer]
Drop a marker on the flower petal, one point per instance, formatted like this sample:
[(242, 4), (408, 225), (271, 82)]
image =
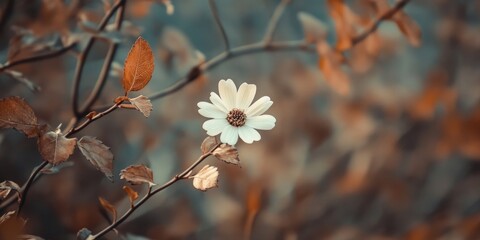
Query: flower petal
[(217, 101), (215, 126), (229, 135), (248, 134), (228, 93), (263, 122), (209, 110), (259, 107), (246, 93)]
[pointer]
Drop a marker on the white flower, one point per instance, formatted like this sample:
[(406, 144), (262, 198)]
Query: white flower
[(234, 115)]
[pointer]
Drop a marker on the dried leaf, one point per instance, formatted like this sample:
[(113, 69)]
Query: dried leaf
[(330, 66), (6, 187), (137, 174), (55, 147), (227, 153), (98, 154), (138, 67), (343, 18), (132, 194), (6, 216), (314, 30), (409, 28), (208, 143), (206, 178), (16, 113), (142, 104), (109, 207)]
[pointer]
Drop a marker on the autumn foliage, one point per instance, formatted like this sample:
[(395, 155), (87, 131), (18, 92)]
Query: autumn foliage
[(373, 119)]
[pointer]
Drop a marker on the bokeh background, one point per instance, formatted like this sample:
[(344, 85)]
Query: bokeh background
[(398, 158)]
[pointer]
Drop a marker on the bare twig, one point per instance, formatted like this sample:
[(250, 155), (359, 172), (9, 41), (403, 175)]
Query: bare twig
[(39, 57), (83, 56), (152, 192), (273, 23), (387, 15), (216, 16), (28, 184), (106, 66)]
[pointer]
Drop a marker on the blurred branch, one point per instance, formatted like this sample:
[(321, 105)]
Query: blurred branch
[(235, 52), (6, 13), (213, 8), (273, 23), (83, 56), (152, 192), (39, 57), (387, 15), (28, 184)]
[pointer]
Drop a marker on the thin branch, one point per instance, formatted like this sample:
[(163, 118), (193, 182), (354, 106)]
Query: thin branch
[(39, 57), (387, 15), (273, 23), (106, 66), (28, 184), (94, 118), (83, 56), (152, 192), (213, 8)]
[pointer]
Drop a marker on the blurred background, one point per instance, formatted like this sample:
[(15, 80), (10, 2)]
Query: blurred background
[(397, 158)]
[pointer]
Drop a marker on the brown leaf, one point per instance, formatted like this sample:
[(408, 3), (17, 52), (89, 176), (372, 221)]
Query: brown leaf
[(6, 187), (55, 147), (142, 104), (98, 154), (206, 178), (208, 143), (137, 174), (227, 153), (330, 66), (109, 207), (314, 30), (132, 194), (138, 67), (16, 113), (409, 28), (343, 18)]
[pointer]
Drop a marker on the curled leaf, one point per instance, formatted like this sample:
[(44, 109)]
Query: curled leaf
[(142, 104), (137, 174), (138, 67), (132, 194), (227, 153), (206, 178), (55, 147), (98, 154), (330, 65), (208, 143), (313, 29), (109, 207), (16, 113)]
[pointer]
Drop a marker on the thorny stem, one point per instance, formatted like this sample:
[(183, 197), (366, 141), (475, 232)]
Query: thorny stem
[(387, 15), (83, 56), (213, 8), (152, 192), (273, 23)]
